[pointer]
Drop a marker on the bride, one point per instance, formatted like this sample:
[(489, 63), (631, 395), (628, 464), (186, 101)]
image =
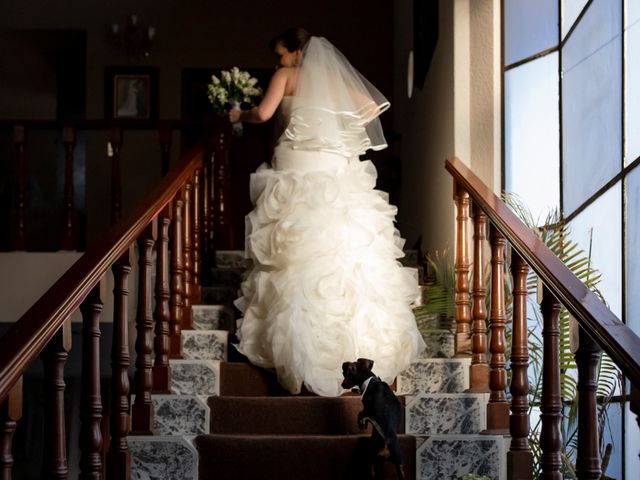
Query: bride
[(326, 286)]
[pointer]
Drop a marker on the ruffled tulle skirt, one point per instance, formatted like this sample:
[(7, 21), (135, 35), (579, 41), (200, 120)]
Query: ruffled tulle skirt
[(326, 286)]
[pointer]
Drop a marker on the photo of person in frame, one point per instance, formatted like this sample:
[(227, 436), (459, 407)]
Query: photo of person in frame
[(131, 98)]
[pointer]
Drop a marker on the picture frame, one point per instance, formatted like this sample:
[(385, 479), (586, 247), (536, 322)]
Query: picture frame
[(131, 93)]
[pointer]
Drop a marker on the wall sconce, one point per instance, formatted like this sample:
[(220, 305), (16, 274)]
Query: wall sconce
[(133, 37)]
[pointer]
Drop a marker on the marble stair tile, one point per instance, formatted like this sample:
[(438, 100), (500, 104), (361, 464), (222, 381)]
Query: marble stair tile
[(219, 295), (195, 377), (180, 415), (452, 456), (212, 317), (204, 344), (232, 259), (446, 413), (163, 458), (439, 345), (435, 375)]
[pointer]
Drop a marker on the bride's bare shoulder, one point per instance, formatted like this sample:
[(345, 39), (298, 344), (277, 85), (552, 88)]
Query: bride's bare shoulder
[(291, 75)]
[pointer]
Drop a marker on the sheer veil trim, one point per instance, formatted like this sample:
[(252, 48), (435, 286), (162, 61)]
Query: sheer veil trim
[(334, 108)]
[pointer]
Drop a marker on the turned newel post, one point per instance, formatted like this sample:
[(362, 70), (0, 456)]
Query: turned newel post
[(161, 314), (142, 414), (587, 360), (551, 403), (54, 356), (196, 255), (91, 401), (176, 306), (519, 457), (186, 248), (479, 370), (10, 413), (498, 407), (69, 233), (119, 456), (19, 230), (463, 310), (165, 137), (115, 144)]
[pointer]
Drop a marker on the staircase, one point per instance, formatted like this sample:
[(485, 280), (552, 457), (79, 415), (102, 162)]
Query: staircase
[(227, 419)]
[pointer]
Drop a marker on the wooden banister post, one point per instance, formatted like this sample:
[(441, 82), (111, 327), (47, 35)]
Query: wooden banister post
[(10, 413), (19, 230), (161, 315), (186, 246), (479, 369), (119, 456), (177, 281), (463, 309), (69, 234), (498, 407), (54, 356), (115, 143), (196, 256), (551, 408), (207, 213), (91, 441), (142, 414), (587, 360), (519, 457)]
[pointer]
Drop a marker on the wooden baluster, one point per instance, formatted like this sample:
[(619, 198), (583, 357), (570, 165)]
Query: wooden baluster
[(10, 413), (177, 281), (116, 181), (161, 315), (463, 309), (498, 407), (222, 230), (479, 370), (587, 360), (519, 457), (69, 234), (551, 407), (207, 211), (186, 248), (19, 231), (119, 456), (91, 400), (166, 137), (54, 356), (196, 217), (142, 413)]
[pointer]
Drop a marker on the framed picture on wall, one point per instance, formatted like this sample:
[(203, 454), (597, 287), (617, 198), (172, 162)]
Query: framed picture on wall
[(131, 93)]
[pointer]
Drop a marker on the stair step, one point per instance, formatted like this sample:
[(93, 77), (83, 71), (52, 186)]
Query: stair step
[(226, 276), (212, 317), (204, 344), (286, 415), (309, 457), (439, 344), (195, 377), (232, 259), (452, 456), (180, 415), (240, 379), (435, 375), (446, 413), (219, 295), (163, 458)]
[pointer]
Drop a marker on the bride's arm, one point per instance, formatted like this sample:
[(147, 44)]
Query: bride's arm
[(269, 104)]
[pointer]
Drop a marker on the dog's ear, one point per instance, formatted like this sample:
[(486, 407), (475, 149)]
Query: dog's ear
[(365, 362)]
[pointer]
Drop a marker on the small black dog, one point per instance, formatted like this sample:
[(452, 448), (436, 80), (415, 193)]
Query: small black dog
[(382, 409)]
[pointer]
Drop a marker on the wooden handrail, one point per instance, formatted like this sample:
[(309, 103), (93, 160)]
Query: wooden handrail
[(22, 344), (615, 338)]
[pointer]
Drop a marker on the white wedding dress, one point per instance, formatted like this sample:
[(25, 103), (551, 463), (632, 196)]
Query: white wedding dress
[(326, 286)]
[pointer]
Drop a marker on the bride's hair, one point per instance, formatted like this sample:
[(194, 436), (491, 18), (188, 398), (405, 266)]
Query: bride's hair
[(292, 39)]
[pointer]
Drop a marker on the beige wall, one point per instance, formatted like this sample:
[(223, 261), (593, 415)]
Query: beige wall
[(456, 113)]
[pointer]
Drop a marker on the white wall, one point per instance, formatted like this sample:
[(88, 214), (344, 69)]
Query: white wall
[(456, 113)]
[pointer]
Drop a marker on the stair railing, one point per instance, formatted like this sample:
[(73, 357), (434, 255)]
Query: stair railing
[(561, 287), (179, 212)]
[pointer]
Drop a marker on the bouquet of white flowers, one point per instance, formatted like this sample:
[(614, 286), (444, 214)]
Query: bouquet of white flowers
[(234, 88)]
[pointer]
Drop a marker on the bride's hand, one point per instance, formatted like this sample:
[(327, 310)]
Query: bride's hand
[(234, 115)]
